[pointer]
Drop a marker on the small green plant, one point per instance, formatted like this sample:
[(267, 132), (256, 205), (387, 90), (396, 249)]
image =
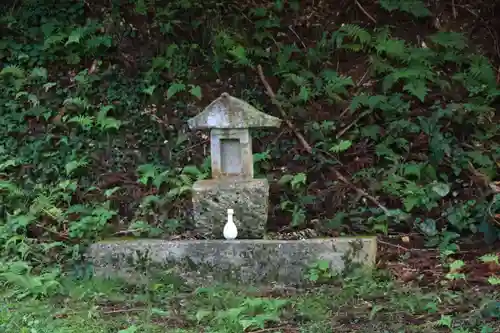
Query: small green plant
[(251, 313), (490, 259), (18, 277), (298, 198), (494, 280), (455, 270), (320, 271)]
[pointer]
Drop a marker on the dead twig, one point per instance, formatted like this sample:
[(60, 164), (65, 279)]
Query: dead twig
[(365, 12), (309, 149), (345, 129), (116, 311), (297, 35), (58, 234), (271, 94), (397, 246)]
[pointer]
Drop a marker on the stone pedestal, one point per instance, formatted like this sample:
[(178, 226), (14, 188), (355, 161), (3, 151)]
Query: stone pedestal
[(213, 197), (243, 262)]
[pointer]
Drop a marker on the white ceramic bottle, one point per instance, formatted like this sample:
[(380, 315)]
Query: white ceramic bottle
[(230, 231)]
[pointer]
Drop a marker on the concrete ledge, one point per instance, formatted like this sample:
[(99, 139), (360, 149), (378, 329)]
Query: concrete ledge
[(245, 261)]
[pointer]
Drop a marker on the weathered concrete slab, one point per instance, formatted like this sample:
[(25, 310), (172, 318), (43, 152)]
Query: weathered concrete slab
[(250, 262)]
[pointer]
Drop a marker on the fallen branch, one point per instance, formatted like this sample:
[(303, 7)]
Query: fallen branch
[(271, 94), (308, 147), (365, 12)]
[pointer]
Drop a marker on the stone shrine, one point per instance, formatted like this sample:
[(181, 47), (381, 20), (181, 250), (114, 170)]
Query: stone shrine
[(252, 260), (232, 185)]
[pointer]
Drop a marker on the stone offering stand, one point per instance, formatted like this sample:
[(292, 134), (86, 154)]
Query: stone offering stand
[(250, 259)]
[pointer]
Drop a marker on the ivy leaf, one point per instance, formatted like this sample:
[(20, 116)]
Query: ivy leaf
[(191, 170), (73, 39), (109, 192), (240, 53), (481, 159), (195, 91), (39, 72), (417, 89), (371, 131), (314, 276), (456, 265), (304, 94), (490, 258), (298, 179), (73, 165), (323, 265), (285, 179), (410, 202), (494, 280), (343, 145), (149, 90), (412, 169), (428, 227), (441, 189)]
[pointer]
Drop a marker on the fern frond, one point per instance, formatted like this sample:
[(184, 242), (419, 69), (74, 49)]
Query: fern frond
[(78, 102), (10, 189), (453, 56), (356, 33), (174, 89), (39, 72), (381, 34), (54, 40), (379, 65), (452, 40), (336, 85), (185, 180), (418, 56), (13, 70), (95, 42), (416, 8), (85, 121), (481, 69), (393, 48), (370, 101), (296, 79), (76, 36)]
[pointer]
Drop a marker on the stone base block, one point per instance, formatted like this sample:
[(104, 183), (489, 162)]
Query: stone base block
[(213, 197), (249, 262)]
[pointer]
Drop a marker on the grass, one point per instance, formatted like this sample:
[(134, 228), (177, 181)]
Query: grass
[(352, 304)]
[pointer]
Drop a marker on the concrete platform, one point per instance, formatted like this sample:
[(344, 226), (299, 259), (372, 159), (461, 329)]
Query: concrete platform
[(250, 262)]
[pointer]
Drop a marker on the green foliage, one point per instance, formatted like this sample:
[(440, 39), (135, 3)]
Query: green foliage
[(415, 7), (18, 278), (251, 313), (320, 272), (94, 142), (296, 203)]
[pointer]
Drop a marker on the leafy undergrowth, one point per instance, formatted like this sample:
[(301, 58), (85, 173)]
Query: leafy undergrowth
[(356, 303), (400, 123)]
